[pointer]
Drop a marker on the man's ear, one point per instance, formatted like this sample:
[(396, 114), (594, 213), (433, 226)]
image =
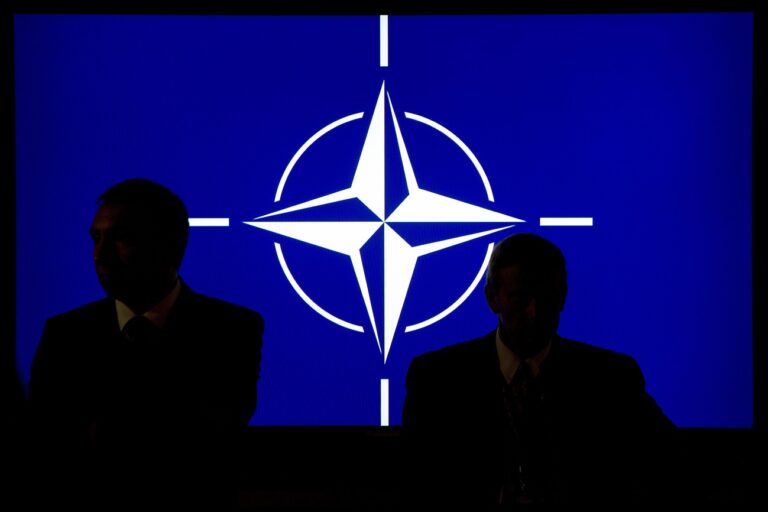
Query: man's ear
[(563, 289), (490, 298)]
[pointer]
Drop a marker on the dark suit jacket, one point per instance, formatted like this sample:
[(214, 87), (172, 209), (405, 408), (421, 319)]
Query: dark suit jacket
[(598, 431), (126, 427)]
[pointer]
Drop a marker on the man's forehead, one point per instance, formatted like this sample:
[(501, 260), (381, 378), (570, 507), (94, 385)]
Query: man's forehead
[(119, 215), (528, 275)]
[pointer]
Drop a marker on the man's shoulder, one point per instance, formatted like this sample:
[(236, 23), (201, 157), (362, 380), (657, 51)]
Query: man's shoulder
[(588, 363), (196, 305), (84, 313), (457, 354), (72, 334), (216, 304), (579, 350)]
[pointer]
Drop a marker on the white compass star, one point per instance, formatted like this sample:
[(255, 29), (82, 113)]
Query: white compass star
[(368, 187)]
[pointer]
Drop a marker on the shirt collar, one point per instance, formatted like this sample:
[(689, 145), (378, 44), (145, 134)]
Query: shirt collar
[(509, 361), (158, 314)]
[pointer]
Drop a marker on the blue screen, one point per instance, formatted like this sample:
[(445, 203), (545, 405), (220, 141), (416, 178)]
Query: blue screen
[(355, 170)]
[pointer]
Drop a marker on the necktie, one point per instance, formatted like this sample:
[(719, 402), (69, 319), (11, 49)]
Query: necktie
[(517, 404), (517, 391), (140, 330), (139, 365)]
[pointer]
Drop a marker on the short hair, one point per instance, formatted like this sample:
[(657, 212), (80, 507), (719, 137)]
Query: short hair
[(170, 220), (535, 254)]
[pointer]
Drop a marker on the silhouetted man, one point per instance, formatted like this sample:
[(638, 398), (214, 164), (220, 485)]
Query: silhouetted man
[(138, 398), (522, 418)]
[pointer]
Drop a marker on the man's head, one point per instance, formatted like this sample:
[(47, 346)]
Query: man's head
[(139, 234), (525, 287)]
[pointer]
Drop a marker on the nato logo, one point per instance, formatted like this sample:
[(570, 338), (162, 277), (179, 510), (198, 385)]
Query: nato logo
[(368, 187)]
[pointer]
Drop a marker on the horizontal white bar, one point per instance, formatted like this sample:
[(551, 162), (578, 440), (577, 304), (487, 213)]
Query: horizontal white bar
[(565, 221), (201, 222)]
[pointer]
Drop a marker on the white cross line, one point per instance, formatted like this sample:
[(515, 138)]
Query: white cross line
[(566, 221), (208, 222)]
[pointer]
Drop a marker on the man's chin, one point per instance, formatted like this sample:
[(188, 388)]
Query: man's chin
[(530, 346), (112, 287)]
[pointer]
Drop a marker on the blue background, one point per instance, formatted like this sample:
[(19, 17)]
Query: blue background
[(642, 122)]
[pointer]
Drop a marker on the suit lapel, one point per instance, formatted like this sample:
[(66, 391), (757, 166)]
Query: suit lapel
[(485, 379), (181, 318)]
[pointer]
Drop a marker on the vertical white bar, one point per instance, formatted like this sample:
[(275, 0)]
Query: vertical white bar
[(383, 41), (384, 402)]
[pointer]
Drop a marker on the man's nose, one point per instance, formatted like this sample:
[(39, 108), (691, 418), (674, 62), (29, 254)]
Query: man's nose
[(101, 250), (97, 251), (530, 309)]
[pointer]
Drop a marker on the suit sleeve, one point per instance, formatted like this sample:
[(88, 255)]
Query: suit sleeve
[(58, 426), (414, 413), (249, 369), (641, 409), (232, 402), (422, 438), (54, 388), (652, 442)]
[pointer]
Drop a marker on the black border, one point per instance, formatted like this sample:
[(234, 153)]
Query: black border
[(293, 457), (394, 7), (759, 226)]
